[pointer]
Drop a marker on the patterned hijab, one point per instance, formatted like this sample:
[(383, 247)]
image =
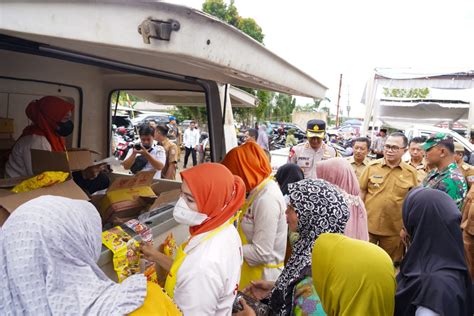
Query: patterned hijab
[(320, 208), (48, 252)]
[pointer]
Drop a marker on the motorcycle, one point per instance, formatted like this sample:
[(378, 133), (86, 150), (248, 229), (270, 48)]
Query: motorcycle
[(123, 142)]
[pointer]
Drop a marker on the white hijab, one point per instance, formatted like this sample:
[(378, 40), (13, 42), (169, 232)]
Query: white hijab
[(48, 252)]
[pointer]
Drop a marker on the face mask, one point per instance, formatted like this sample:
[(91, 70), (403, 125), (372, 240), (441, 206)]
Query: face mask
[(146, 146), (184, 215), (65, 128)]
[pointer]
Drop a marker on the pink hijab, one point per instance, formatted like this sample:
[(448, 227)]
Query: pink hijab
[(339, 171)]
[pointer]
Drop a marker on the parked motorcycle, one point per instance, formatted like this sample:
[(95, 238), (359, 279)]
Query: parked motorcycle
[(123, 143)]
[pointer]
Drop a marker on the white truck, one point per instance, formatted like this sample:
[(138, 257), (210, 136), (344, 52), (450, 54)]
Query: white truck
[(84, 51)]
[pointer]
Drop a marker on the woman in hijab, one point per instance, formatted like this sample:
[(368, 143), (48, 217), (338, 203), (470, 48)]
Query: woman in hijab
[(262, 139), (262, 226), (51, 122), (287, 174), (339, 172), (206, 271), (353, 277), (48, 252), (315, 207), (433, 278)]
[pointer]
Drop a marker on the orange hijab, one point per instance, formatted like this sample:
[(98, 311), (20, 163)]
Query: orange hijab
[(218, 194), (249, 162), (45, 114)]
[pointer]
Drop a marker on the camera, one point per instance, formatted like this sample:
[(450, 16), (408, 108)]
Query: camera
[(138, 146)]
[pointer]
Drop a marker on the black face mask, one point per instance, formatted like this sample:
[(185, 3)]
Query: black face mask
[(146, 146), (65, 128)]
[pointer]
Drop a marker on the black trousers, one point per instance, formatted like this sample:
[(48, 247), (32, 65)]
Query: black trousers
[(186, 156)]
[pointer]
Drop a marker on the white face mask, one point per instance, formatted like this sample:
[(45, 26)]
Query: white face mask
[(186, 216)]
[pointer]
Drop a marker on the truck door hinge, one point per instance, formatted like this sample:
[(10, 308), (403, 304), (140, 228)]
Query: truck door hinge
[(160, 30)]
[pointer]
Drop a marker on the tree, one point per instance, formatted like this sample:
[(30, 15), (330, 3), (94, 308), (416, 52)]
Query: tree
[(414, 93), (230, 14), (312, 107), (216, 8), (251, 28)]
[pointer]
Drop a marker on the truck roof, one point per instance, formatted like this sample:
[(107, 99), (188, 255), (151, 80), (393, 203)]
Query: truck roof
[(192, 43)]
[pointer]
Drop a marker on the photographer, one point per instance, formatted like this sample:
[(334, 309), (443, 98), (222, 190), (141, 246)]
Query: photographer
[(145, 156)]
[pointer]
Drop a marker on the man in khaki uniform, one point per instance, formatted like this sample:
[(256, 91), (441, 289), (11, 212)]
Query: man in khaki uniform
[(466, 169), (359, 160), (417, 158), (306, 155), (171, 149), (384, 184)]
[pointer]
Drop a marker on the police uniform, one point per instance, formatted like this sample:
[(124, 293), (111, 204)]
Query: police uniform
[(305, 156)]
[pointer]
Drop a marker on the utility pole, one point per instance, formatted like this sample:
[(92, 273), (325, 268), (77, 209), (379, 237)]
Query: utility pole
[(338, 100)]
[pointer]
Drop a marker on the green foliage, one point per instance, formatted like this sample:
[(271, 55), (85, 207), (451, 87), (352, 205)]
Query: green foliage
[(196, 113), (230, 14), (312, 107), (251, 28), (216, 8), (124, 99), (415, 93)]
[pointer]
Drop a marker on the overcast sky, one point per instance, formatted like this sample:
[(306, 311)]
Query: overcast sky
[(352, 37)]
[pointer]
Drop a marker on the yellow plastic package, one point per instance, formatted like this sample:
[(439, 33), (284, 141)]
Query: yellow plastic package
[(46, 179), (126, 250)]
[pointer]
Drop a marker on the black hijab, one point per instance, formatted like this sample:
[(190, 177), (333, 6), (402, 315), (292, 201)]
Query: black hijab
[(287, 174), (321, 208), (433, 273)]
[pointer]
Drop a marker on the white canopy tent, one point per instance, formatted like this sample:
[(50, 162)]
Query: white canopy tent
[(456, 102)]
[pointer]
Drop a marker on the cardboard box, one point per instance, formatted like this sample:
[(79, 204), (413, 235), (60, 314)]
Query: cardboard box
[(10, 201), (73, 160), (127, 197), (168, 191), (7, 125)]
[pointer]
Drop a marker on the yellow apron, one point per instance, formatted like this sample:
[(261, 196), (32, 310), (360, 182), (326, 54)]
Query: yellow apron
[(181, 255), (249, 273)]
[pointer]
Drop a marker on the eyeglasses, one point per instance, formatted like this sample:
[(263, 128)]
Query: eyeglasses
[(393, 147)]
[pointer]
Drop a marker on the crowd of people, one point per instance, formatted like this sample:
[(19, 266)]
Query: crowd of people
[(325, 236)]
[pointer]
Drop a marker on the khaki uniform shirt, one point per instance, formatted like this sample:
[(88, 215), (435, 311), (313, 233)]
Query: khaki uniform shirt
[(421, 169), (358, 169), (306, 157), (171, 158), (468, 173), (386, 189)]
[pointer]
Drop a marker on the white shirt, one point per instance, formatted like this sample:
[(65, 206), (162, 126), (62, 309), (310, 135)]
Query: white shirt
[(159, 153), (265, 228), (191, 137), (19, 163), (207, 281)]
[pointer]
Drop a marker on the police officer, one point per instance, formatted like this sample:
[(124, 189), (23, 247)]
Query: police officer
[(466, 169), (313, 150)]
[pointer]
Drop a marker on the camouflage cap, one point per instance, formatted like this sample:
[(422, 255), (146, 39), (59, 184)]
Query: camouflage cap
[(435, 139)]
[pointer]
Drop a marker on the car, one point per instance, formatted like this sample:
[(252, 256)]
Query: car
[(159, 118), (123, 121)]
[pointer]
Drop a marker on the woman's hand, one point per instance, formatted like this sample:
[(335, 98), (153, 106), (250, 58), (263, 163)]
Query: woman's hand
[(247, 311), (259, 289), (149, 252)]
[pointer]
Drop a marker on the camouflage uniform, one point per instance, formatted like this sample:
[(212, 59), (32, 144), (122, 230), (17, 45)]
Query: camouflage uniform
[(449, 180)]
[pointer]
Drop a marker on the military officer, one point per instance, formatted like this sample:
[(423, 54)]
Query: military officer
[(313, 150)]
